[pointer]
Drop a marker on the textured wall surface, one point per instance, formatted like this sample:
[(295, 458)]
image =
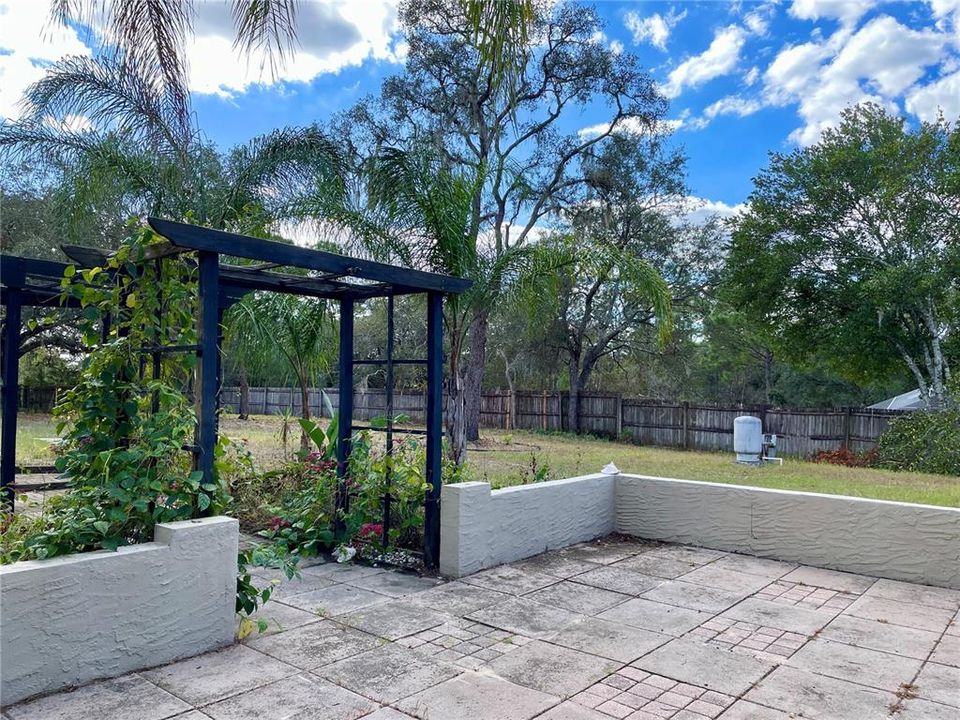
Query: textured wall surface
[(901, 541), (72, 619), (480, 528)]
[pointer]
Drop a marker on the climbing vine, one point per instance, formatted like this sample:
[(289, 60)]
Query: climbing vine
[(128, 425)]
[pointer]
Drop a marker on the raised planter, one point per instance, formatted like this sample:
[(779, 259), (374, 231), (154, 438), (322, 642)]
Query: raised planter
[(901, 541), (76, 618)]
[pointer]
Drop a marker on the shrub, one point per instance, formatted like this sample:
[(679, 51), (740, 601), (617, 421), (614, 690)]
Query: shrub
[(371, 473), (923, 441), (301, 515)]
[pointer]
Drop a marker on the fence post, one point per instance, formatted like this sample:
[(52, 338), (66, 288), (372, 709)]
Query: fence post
[(685, 406), (511, 409), (619, 411), (847, 420)]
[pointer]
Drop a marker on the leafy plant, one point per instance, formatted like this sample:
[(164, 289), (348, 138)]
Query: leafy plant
[(250, 597), (325, 440), (372, 474), (124, 429), (537, 472), (302, 521)]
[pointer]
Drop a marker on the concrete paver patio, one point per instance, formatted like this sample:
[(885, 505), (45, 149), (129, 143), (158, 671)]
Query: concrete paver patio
[(617, 628)]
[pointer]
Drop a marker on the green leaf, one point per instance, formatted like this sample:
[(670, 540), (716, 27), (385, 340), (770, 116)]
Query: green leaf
[(102, 526), (203, 501)]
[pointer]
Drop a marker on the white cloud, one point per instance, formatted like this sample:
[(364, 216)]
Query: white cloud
[(753, 74), (28, 42), (654, 29), (947, 14), (334, 34), (719, 59), (634, 126), (732, 105), (758, 21), (700, 209), (941, 95), (616, 47), (888, 55), (846, 11), (879, 62)]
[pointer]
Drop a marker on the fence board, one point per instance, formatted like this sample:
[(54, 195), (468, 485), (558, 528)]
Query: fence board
[(697, 426), (801, 431)]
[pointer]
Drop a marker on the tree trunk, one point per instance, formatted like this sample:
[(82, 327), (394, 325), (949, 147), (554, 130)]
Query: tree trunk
[(454, 414), (453, 384), (244, 394), (304, 412), (573, 406), (472, 385), (767, 376)]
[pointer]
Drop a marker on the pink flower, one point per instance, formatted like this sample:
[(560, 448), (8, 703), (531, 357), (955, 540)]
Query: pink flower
[(371, 530), (278, 522)]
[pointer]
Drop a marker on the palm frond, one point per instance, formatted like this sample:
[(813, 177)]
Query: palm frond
[(268, 27), (501, 32), (287, 166), (37, 140), (150, 34), (431, 205), (112, 93)]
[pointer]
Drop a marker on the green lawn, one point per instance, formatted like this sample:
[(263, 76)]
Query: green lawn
[(34, 435), (509, 459), (566, 456)]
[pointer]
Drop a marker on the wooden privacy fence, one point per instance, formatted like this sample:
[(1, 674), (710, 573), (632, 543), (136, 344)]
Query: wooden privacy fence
[(38, 399), (695, 426)]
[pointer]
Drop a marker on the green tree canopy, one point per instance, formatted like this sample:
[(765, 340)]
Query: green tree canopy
[(849, 251)]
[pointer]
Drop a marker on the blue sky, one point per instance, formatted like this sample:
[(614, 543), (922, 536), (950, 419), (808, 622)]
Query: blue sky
[(744, 78)]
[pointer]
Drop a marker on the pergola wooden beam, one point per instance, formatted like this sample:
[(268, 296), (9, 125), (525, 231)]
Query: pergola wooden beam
[(195, 237)]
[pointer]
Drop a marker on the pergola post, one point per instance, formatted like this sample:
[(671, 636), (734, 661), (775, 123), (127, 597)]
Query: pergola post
[(10, 368), (345, 414), (431, 529), (206, 390)]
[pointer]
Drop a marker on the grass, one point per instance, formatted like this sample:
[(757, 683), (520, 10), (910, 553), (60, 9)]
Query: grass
[(505, 459), (565, 456)]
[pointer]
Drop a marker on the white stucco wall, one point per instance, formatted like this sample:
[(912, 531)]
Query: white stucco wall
[(480, 528), (72, 619), (900, 541)]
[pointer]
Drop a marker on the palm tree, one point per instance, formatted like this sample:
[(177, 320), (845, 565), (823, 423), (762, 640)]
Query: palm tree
[(138, 146), (300, 331), (419, 212)]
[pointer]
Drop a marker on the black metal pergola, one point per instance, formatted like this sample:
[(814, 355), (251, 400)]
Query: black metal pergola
[(26, 282)]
